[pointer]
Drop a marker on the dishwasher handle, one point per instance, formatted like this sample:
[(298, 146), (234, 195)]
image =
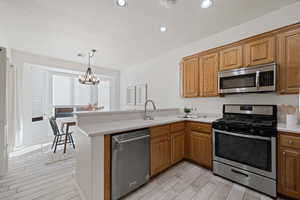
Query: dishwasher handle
[(130, 140)]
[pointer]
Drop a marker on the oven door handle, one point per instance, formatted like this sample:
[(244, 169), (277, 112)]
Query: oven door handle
[(239, 172), (257, 80), (245, 136)]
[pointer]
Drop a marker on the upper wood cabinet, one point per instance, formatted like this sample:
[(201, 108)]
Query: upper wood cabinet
[(190, 77), (231, 58), (208, 67), (260, 51), (289, 61), (200, 71)]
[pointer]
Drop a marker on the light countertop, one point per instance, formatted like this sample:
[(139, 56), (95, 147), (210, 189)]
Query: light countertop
[(106, 128), (97, 129), (283, 127)]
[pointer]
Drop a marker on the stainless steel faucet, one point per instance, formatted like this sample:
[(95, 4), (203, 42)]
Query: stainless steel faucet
[(148, 114)]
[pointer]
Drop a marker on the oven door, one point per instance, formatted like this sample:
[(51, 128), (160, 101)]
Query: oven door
[(252, 153)]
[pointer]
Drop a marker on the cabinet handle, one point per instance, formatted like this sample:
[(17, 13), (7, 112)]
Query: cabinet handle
[(290, 141), (284, 153)]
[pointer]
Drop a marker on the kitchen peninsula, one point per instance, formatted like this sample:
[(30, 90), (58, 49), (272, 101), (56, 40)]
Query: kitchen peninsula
[(93, 143), (172, 139)]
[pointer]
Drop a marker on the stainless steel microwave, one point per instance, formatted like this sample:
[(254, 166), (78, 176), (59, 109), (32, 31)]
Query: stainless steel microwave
[(260, 78)]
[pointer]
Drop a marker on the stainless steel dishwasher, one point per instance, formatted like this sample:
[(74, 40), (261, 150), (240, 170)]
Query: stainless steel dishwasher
[(130, 162)]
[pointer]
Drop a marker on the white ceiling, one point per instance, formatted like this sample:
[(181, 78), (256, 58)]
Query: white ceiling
[(123, 36)]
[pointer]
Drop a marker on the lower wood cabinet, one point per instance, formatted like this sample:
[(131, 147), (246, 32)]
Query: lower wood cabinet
[(200, 148), (177, 147), (160, 154), (160, 149), (172, 143), (289, 165), (199, 143)]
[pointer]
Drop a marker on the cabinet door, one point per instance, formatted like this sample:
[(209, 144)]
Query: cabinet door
[(209, 65), (190, 77), (231, 58), (187, 140), (160, 154), (289, 61), (201, 148), (177, 147), (289, 172), (260, 51)]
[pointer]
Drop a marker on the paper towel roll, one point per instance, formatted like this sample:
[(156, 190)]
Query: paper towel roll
[(291, 120)]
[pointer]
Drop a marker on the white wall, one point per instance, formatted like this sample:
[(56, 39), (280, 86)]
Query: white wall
[(3, 124), (20, 58), (23, 61), (162, 73)]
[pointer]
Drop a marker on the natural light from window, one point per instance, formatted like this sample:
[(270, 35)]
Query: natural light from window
[(67, 91)]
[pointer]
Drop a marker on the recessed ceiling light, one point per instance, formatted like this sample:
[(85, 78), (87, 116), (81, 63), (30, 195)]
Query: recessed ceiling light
[(206, 3), (163, 29), (122, 3)]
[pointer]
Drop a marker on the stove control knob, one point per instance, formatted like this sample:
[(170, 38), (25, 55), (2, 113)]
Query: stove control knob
[(252, 131), (261, 132)]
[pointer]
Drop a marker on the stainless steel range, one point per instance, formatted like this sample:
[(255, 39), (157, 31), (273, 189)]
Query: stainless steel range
[(244, 148)]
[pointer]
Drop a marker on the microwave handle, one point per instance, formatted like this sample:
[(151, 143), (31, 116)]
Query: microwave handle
[(257, 79)]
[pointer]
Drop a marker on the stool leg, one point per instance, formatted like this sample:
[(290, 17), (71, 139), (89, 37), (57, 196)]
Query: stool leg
[(71, 137), (54, 141), (66, 139)]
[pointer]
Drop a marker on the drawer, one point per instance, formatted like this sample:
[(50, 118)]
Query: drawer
[(176, 127), (160, 130), (291, 141), (200, 127)]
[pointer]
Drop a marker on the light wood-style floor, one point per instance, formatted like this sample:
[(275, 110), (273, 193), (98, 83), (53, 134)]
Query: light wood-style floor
[(187, 181), (30, 178)]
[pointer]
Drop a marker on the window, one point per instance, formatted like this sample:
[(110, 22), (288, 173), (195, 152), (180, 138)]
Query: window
[(82, 94), (67, 91), (104, 94), (62, 90)]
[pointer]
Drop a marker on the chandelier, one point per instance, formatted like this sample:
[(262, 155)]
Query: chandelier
[(89, 77)]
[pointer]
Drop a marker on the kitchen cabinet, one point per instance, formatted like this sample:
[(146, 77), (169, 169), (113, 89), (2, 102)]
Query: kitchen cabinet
[(260, 51), (177, 142), (160, 149), (199, 72), (160, 154), (289, 165), (199, 141), (200, 146), (190, 77), (289, 61), (231, 58), (177, 147), (209, 67)]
